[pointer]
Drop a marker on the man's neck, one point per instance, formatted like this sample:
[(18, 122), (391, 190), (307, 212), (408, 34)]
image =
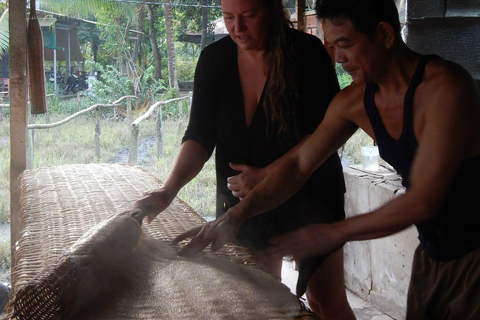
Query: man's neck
[(398, 72)]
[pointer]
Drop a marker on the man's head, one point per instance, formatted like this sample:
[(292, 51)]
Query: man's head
[(362, 34), (364, 14)]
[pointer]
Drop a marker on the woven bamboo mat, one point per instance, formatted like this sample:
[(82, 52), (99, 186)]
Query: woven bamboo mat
[(60, 204)]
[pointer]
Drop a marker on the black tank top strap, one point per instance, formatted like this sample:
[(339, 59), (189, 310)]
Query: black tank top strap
[(417, 78), (398, 153)]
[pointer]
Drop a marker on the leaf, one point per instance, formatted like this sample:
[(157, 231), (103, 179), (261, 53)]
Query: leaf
[(4, 33)]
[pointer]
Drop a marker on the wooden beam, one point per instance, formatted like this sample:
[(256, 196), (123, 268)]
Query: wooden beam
[(18, 111), (300, 14)]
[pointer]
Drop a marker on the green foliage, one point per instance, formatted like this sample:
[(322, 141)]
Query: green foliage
[(149, 87), (111, 85), (344, 79), (186, 69), (87, 9), (4, 33)]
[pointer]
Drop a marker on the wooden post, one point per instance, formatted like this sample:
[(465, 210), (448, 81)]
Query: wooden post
[(98, 114), (18, 111), (159, 133), (129, 111), (300, 13), (133, 152)]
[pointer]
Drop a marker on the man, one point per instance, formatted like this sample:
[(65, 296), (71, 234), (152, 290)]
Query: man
[(423, 112)]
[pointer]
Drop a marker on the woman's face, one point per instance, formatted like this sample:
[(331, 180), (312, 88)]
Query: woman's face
[(246, 22)]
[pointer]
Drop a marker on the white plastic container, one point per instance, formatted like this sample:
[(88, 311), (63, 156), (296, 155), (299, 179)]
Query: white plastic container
[(370, 158)]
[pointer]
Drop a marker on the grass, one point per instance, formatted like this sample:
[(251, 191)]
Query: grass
[(5, 255), (74, 143)]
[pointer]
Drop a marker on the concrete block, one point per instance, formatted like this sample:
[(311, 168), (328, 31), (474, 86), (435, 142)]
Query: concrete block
[(378, 270)]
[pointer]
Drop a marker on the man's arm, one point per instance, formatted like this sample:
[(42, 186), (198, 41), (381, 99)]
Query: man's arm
[(283, 182), (248, 177), (446, 130)]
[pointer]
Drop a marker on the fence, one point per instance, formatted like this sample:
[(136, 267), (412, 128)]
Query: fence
[(135, 126), (133, 152), (95, 107)]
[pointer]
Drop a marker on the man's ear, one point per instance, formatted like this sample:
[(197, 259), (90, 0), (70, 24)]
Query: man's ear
[(386, 33)]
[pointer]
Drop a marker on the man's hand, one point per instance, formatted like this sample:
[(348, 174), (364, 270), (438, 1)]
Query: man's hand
[(154, 202), (246, 180), (313, 240), (217, 232)]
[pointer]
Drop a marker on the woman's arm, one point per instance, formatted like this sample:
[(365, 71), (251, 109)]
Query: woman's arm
[(189, 163)]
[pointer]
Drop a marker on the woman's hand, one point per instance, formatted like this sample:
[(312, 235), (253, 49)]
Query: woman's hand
[(246, 180), (217, 232), (154, 202), (312, 240)]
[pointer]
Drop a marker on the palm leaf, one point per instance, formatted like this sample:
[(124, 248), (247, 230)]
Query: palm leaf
[(86, 9), (4, 34)]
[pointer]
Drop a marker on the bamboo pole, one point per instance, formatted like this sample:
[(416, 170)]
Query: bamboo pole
[(159, 133), (98, 114), (95, 107), (30, 143), (133, 151), (129, 111)]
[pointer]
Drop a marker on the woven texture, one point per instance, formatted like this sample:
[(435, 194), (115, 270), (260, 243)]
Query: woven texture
[(60, 204), (48, 294)]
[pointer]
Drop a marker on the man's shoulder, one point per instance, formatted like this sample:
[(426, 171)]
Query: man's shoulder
[(349, 100), (352, 92), (440, 72)]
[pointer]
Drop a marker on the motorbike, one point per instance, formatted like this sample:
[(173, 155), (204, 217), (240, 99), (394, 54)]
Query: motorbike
[(75, 84), (50, 77)]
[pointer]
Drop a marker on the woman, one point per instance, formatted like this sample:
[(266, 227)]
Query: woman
[(257, 94)]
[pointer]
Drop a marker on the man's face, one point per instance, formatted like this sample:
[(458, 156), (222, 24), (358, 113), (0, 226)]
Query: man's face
[(246, 22), (359, 55)]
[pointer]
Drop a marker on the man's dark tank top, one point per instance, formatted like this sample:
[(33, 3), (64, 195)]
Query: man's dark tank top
[(455, 229)]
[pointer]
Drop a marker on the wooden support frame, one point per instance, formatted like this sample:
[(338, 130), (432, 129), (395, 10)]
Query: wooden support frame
[(18, 111)]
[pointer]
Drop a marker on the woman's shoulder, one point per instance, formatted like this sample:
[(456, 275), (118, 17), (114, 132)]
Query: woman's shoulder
[(223, 46), (218, 56)]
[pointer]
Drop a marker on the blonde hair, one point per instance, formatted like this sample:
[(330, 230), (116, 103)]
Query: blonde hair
[(281, 89)]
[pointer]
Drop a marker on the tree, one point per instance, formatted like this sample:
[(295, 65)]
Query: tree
[(203, 42), (152, 32), (172, 70)]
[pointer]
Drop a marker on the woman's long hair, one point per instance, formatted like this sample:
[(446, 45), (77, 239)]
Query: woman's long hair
[(281, 88)]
